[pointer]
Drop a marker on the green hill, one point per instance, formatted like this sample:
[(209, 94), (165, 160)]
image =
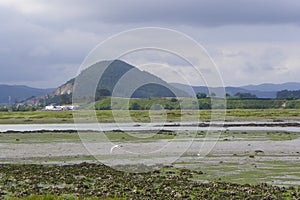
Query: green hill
[(122, 80), (111, 78)]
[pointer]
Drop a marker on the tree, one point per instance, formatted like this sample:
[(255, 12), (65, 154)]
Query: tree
[(212, 94), (65, 99), (102, 93), (245, 95), (135, 106), (169, 107), (286, 94), (201, 95), (174, 99)]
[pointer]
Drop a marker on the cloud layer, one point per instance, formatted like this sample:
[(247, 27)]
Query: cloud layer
[(44, 42)]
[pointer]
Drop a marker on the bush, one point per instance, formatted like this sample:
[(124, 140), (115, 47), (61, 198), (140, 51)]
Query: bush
[(134, 106)]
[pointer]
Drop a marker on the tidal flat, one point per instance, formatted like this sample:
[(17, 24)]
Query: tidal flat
[(237, 157), (242, 160)]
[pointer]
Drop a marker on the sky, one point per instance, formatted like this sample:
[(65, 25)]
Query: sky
[(43, 43)]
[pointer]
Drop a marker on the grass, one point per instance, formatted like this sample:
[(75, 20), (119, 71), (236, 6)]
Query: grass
[(120, 136), (245, 170), (105, 116), (38, 137), (267, 114), (258, 135), (35, 117), (73, 137), (139, 137)]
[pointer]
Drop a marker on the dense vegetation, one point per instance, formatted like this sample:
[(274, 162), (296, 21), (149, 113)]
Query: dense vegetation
[(105, 103), (286, 94), (203, 103), (46, 117)]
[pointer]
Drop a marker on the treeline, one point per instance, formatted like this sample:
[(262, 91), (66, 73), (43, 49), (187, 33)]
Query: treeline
[(176, 104), (57, 99), (19, 108), (286, 94), (203, 103)]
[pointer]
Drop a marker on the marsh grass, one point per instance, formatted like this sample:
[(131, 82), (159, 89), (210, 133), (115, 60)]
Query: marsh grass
[(73, 137), (39, 137), (104, 116), (247, 170), (258, 135)]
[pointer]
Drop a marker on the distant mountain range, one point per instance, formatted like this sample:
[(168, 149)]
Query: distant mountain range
[(269, 87), (266, 90), (16, 93), (111, 77)]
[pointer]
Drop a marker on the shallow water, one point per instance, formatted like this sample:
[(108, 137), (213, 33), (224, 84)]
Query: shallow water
[(184, 126)]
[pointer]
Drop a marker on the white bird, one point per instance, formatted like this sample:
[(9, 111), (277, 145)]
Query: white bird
[(115, 146)]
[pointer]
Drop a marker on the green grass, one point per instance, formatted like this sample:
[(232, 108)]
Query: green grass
[(45, 137), (139, 137), (73, 137), (247, 171), (35, 117), (104, 116), (192, 103), (63, 137), (268, 113), (258, 135)]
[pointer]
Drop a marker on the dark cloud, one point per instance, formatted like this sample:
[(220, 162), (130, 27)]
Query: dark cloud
[(42, 40), (190, 12), (31, 52), (201, 13)]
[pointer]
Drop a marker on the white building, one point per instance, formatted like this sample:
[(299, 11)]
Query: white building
[(54, 108), (59, 108)]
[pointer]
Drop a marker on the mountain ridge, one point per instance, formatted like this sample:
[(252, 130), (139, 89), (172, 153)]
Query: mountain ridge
[(273, 86), (266, 90), (17, 93)]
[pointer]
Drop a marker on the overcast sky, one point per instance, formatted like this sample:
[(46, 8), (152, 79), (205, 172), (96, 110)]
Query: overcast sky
[(43, 43)]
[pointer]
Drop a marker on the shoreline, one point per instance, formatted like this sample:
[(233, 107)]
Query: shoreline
[(291, 126)]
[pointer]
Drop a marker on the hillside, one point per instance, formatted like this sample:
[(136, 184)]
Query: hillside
[(123, 79), (119, 77), (19, 93), (261, 91), (267, 87)]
